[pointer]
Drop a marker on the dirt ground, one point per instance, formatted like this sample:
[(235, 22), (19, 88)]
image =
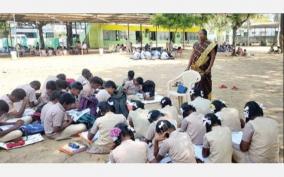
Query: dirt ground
[(258, 78)]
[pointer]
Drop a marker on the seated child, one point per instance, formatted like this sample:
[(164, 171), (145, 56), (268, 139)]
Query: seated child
[(130, 77), (52, 78), (75, 89), (217, 142), (105, 94), (137, 118), (96, 84), (156, 54), (136, 55), (201, 104), (50, 87), (148, 90), (126, 149), (85, 77), (134, 86), (260, 137), (30, 90), (192, 123), (229, 116), (55, 125), (14, 113), (12, 132), (103, 125), (62, 85), (153, 117), (164, 55), (177, 145), (54, 98), (169, 110)]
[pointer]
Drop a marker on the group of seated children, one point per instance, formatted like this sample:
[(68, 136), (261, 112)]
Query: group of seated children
[(143, 136), (151, 55)]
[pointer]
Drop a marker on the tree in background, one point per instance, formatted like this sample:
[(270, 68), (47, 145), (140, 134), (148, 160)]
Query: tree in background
[(237, 20), (282, 33), (39, 26), (69, 34)]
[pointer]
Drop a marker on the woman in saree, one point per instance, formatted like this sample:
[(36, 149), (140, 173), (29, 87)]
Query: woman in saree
[(202, 60)]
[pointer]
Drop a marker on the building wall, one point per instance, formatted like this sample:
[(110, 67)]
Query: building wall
[(107, 35)]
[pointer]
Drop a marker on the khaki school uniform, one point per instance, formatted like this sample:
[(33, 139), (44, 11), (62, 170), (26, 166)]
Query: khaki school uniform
[(172, 113), (82, 80), (30, 92), (129, 151), (103, 95), (201, 105), (7, 100), (193, 125), (131, 88), (140, 121), (45, 110), (264, 147), (54, 117), (179, 147), (219, 141), (230, 118), (11, 136), (26, 119), (152, 128), (87, 90), (103, 125)]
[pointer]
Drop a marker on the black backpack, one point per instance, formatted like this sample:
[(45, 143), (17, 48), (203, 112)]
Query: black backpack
[(119, 99)]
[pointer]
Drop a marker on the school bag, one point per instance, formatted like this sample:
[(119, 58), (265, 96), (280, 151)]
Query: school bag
[(119, 103), (90, 102), (87, 119), (33, 128), (149, 87)]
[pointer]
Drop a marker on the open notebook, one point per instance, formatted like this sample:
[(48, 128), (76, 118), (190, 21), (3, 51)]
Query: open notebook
[(75, 115), (31, 139)]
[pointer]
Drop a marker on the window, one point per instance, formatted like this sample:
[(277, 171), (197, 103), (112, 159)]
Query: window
[(153, 36), (49, 35), (109, 35), (28, 34), (163, 36)]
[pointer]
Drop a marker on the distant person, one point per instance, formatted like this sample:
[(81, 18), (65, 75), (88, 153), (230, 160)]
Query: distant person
[(136, 55), (156, 54), (164, 55), (85, 76)]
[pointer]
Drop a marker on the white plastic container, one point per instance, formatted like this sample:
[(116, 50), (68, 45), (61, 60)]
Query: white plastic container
[(101, 51), (14, 55)]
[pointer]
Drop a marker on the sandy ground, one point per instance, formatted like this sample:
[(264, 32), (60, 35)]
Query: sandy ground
[(258, 78)]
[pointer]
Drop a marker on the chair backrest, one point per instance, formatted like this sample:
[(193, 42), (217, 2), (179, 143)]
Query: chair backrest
[(190, 77)]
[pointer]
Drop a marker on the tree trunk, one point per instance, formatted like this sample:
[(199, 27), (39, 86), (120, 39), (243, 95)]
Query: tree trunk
[(234, 36), (282, 33), (183, 43), (41, 38), (69, 34)]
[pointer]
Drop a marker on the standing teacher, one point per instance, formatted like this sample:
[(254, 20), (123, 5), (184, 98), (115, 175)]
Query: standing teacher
[(202, 60)]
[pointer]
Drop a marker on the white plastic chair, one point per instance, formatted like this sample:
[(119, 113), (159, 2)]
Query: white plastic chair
[(188, 78)]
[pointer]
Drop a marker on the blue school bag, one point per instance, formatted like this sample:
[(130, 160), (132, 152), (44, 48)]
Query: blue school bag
[(181, 88), (32, 128)]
